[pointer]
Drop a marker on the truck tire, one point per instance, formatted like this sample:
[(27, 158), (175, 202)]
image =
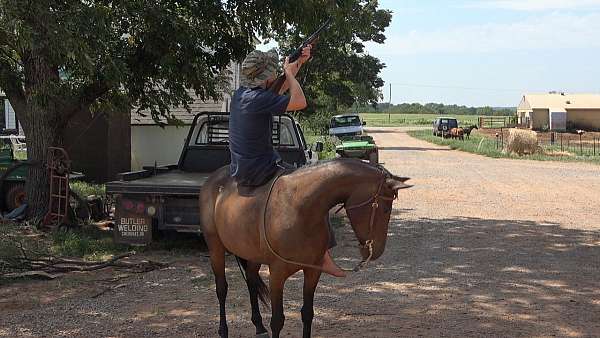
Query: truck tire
[(374, 157), (15, 196)]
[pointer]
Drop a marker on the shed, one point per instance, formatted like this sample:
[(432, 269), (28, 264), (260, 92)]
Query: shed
[(560, 111)]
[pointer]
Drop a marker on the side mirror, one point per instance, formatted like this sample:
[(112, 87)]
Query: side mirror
[(318, 146), (364, 123)]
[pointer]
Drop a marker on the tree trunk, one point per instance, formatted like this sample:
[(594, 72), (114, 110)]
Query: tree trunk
[(41, 123), (40, 135)]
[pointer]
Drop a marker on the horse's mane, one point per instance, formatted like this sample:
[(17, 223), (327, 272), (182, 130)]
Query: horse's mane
[(343, 161)]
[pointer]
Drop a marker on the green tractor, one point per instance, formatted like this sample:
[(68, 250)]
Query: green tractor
[(348, 128), (362, 147), (12, 179), (13, 175)]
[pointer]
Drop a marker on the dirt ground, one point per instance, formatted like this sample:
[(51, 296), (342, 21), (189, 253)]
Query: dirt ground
[(478, 247)]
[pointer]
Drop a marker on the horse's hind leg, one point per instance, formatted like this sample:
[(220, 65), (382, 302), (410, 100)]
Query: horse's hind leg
[(279, 274), (254, 283), (311, 279), (217, 261)]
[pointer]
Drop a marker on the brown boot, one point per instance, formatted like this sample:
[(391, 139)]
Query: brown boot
[(330, 267)]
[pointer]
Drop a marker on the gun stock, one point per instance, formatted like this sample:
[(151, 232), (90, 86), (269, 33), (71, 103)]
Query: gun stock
[(311, 40)]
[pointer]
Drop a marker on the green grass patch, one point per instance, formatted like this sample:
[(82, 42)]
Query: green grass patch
[(397, 120), (88, 242), (84, 189), (479, 144)]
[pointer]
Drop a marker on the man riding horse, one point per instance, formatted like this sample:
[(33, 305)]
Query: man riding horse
[(254, 161)]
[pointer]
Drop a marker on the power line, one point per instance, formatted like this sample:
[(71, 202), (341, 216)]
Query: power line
[(456, 87)]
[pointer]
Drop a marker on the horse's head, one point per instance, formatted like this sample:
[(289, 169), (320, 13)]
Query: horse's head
[(369, 211)]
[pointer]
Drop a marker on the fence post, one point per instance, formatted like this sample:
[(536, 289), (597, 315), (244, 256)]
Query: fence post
[(594, 146), (561, 146), (580, 146)]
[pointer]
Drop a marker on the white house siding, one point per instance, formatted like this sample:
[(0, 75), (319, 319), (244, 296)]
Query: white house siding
[(10, 120), (152, 143)]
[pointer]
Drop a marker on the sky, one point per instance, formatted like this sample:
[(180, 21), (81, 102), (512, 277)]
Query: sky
[(489, 52)]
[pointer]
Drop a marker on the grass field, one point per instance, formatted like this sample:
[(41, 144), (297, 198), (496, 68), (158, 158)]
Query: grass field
[(480, 144), (396, 120)]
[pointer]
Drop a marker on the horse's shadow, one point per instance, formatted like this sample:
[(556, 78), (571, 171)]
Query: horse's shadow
[(437, 274)]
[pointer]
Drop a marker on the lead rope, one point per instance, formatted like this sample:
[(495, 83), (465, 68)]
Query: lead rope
[(368, 244), (265, 230)]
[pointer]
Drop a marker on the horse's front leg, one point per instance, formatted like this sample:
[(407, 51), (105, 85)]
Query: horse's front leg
[(277, 282), (217, 261), (311, 279), (255, 286)]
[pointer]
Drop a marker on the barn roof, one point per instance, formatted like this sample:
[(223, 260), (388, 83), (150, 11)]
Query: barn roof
[(560, 101), (181, 113)]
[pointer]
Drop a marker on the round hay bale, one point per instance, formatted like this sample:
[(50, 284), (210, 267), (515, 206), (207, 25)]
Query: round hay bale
[(521, 141)]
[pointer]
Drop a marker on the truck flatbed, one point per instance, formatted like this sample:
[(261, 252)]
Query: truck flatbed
[(174, 182)]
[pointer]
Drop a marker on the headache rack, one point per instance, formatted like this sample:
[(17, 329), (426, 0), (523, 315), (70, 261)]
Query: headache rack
[(218, 129)]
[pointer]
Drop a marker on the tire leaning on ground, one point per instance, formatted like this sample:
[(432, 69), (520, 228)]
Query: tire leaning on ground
[(15, 196)]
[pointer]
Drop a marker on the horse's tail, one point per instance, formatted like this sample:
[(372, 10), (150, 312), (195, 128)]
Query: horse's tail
[(261, 287)]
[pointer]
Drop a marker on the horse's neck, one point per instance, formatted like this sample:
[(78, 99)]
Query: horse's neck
[(333, 185)]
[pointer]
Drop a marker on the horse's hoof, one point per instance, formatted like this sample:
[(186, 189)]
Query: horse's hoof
[(263, 335)]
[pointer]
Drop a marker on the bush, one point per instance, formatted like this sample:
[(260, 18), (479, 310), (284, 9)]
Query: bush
[(83, 189), (317, 123)]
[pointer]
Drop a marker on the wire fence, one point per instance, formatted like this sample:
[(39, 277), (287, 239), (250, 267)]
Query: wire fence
[(577, 144)]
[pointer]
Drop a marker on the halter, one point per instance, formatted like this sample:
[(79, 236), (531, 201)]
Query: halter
[(368, 244), (374, 201)]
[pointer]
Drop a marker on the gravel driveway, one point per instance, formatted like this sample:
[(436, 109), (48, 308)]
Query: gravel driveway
[(479, 247)]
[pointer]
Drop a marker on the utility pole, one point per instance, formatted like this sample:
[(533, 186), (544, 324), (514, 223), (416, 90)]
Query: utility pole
[(390, 106)]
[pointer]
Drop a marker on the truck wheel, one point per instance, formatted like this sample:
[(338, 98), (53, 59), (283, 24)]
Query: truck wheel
[(15, 196), (374, 157)]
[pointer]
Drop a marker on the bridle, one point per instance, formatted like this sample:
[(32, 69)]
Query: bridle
[(374, 201), (368, 243)]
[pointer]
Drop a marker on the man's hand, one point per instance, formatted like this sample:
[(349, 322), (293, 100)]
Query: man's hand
[(291, 69), (305, 55)]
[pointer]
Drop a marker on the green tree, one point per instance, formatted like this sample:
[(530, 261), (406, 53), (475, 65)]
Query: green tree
[(341, 73), (60, 58)]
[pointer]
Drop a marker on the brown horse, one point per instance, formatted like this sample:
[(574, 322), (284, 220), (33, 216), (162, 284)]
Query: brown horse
[(457, 133), (285, 224)]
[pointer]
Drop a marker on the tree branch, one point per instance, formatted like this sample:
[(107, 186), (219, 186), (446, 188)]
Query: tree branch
[(10, 57), (88, 94)]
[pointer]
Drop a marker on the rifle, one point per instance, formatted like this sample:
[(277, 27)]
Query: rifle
[(311, 40)]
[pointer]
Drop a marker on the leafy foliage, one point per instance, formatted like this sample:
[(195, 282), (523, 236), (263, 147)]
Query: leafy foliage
[(435, 108), (148, 54), (340, 73), (132, 53)]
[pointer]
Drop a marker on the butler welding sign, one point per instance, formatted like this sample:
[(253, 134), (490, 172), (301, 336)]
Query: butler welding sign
[(133, 222)]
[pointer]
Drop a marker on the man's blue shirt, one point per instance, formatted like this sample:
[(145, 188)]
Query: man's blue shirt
[(253, 159)]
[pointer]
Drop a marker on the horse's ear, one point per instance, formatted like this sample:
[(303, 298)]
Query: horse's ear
[(397, 183), (401, 179)]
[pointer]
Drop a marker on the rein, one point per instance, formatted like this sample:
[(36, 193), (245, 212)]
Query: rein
[(368, 244), (374, 200)]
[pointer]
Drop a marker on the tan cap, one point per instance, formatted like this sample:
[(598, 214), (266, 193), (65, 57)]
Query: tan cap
[(258, 67)]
